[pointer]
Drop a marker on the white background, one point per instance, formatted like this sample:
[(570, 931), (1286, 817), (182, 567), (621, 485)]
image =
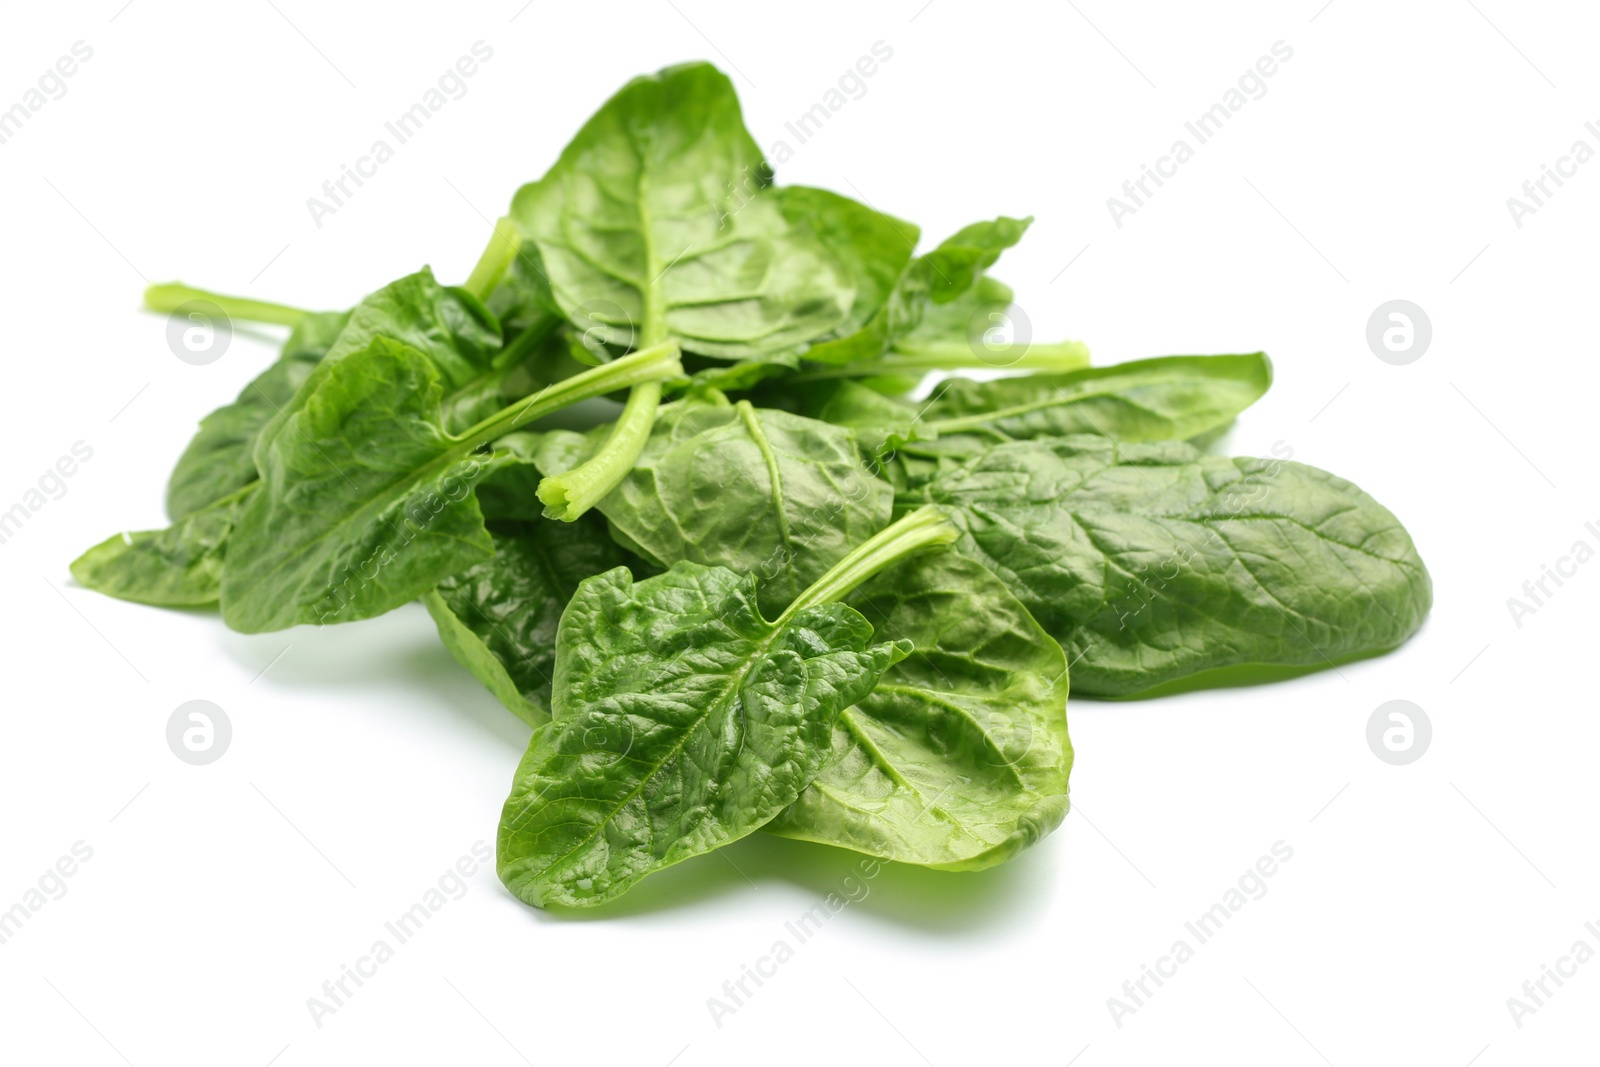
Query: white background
[(364, 762)]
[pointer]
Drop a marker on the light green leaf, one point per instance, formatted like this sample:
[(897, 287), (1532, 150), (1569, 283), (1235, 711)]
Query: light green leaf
[(178, 567), (763, 492), (218, 460), (940, 276), (452, 328)]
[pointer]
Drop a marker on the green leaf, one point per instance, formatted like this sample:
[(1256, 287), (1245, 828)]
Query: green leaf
[(873, 248), (1150, 399), (763, 492), (218, 460), (222, 457), (499, 618), (979, 328), (1152, 562), (938, 277), (366, 500), (1170, 398), (684, 720), (653, 224), (178, 567), (960, 259), (509, 492), (452, 328), (959, 758), (522, 301)]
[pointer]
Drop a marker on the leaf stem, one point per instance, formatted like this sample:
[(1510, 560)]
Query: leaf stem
[(567, 496), (646, 365), (170, 296), (1058, 357), (504, 244), (925, 526)]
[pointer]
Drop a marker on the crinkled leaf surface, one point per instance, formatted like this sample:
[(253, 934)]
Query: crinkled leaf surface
[(655, 224), (449, 326), (764, 492), (499, 618), (1152, 562), (959, 758), (683, 721), (365, 501)]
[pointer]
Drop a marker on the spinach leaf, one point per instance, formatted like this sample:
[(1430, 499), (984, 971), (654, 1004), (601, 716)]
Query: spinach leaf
[(653, 224), (1150, 399), (218, 460), (874, 250), (180, 566), (684, 720), (977, 329), (450, 327), (939, 276), (959, 757), (1170, 398), (499, 618), (1152, 562), (766, 493), (366, 499)]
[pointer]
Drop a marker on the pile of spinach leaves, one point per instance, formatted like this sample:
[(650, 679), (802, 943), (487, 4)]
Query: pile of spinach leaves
[(772, 591)]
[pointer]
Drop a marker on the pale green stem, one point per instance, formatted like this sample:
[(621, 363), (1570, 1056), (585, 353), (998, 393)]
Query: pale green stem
[(170, 296), (498, 255), (1059, 357), (922, 528), (638, 368), (567, 496)]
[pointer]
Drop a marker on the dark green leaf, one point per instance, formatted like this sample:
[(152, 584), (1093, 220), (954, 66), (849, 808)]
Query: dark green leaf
[(1170, 398), (366, 501), (683, 721), (499, 617), (1152, 562)]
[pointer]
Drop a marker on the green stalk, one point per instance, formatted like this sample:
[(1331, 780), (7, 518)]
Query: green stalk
[(1060, 357), (649, 365), (504, 244), (170, 296), (567, 496), (920, 529)]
